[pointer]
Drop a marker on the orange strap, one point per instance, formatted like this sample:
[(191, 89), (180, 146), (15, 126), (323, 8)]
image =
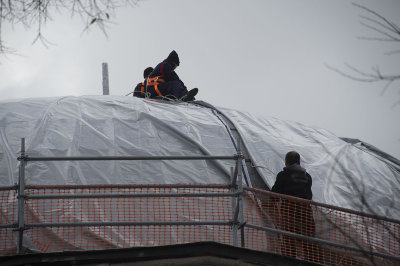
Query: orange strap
[(154, 82), (157, 90)]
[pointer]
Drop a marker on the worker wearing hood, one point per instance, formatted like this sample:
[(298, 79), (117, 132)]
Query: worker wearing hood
[(164, 82)]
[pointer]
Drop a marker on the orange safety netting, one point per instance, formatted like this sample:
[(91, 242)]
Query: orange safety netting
[(67, 224), (321, 221), (8, 217)]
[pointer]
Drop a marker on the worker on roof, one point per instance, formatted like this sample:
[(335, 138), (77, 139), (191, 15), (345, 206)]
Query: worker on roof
[(163, 81), (140, 89), (296, 217)]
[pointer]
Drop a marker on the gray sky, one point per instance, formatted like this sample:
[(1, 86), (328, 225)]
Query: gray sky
[(260, 56)]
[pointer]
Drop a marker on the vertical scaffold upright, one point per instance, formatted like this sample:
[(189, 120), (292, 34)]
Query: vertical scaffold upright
[(21, 198)]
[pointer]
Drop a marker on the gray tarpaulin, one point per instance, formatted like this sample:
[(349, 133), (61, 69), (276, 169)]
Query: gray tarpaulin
[(115, 125), (342, 172), (129, 126)]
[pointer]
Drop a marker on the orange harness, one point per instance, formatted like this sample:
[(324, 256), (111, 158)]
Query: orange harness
[(154, 82)]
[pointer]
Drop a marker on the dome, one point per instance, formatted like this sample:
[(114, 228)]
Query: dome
[(345, 173), (129, 126)]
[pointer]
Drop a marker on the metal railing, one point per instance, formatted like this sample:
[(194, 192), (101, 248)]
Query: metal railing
[(226, 213), (21, 224)]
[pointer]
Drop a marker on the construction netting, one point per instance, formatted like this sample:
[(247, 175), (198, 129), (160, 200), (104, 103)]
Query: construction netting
[(332, 235), (8, 219), (89, 217)]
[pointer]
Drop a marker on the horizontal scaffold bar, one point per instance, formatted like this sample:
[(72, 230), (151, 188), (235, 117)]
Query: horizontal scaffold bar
[(127, 186), (97, 224), (125, 158), (131, 195), (5, 226), (9, 188)]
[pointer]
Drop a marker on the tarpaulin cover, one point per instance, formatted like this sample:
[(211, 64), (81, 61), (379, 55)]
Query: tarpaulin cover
[(129, 126)]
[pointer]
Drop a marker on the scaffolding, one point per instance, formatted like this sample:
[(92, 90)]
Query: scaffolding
[(87, 217)]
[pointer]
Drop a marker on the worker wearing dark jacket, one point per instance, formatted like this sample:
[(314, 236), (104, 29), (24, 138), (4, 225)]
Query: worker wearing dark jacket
[(296, 217), (293, 180), (164, 82), (140, 89)]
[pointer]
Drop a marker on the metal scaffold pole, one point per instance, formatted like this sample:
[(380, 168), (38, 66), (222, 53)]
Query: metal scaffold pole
[(234, 205), (21, 199), (240, 221), (237, 205)]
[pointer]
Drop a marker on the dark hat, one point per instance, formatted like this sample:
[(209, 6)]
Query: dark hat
[(147, 72), (173, 58)]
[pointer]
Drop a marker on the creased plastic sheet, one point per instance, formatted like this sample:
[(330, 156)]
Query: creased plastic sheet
[(342, 173), (102, 126), (129, 126), (107, 126)]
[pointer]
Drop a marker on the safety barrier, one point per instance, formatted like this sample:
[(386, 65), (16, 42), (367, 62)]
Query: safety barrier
[(87, 217), (322, 233)]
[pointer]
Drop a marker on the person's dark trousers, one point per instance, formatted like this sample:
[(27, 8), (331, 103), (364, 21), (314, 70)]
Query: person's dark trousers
[(174, 88), (297, 217)]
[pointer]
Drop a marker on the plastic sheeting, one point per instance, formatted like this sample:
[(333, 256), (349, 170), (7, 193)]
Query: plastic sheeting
[(107, 126), (114, 125), (343, 174)]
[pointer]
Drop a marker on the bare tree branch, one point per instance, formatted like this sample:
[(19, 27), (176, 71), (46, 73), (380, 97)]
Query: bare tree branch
[(387, 32), (382, 18), (379, 23), (391, 38), (374, 76), (36, 13)]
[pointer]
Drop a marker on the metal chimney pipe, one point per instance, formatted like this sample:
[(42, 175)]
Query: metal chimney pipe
[(106, 88)]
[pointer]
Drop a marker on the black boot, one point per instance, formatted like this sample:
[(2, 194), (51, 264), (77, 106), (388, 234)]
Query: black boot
[(189, 96)]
